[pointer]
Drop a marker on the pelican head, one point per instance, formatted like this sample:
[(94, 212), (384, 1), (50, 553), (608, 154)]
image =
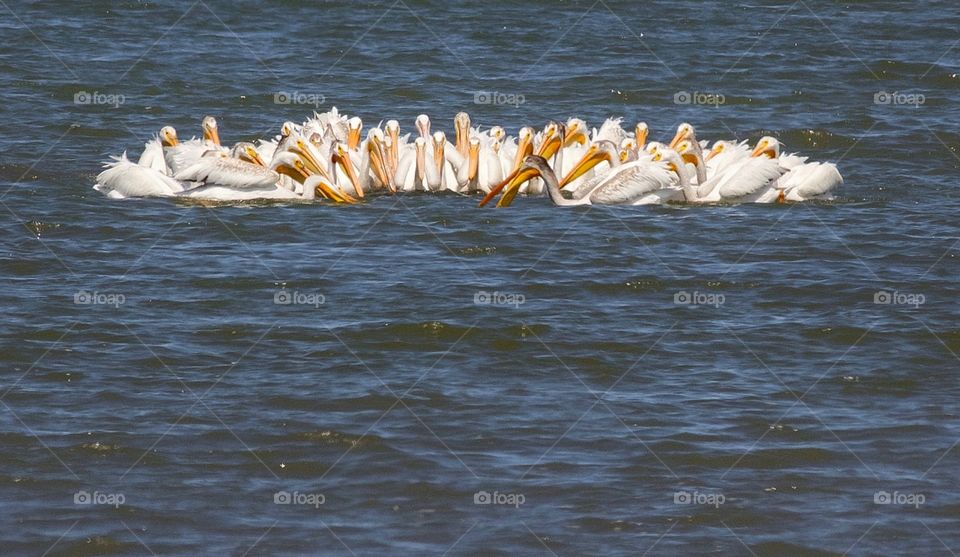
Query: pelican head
[(767, 146), (688, 152), (684, 131), (168, 136), (354, 127), (393, 131), (654, 147), (642, 132), (576, 132), (532, 166), (287, 128), (600, 151), (304, 149), (423, 125), (210, 133), (524, 145), (289, 164), (550, 141), (461, 123), (628, 149), (246, 151), (718, 147), (497, 133), (673, 161)]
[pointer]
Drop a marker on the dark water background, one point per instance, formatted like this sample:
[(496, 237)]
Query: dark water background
[(783, 413)]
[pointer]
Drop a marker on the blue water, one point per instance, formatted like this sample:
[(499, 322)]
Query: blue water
[(793, 412)]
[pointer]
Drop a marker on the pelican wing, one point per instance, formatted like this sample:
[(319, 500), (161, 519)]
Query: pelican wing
[(748, 177), (123, 178), (183, 155), (630, 182), (611, 130), (231, 173), (791, 161), (811, 180), (152, 156)]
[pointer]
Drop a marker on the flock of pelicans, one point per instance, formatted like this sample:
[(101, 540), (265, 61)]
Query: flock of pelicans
[(326, 157)]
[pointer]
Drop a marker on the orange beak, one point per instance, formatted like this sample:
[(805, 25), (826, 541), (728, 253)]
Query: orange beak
[(642, 134), (353, 138), (592, 158), (463, 136), (212, 135), (255, 157), (344, 161), (378, 165), (474, 158), (551, 144), (512, 185), (677, 139), (524, 149)]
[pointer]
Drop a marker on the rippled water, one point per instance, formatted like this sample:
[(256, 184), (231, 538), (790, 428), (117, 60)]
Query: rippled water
[(602, 414)]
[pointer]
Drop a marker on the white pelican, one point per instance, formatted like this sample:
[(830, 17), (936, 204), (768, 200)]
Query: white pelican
[(725, 153), (803, 180), (393, 146), (441, 173), (468, 172), (343, 167), (411, 170), (228, 179), (373, 163), (640, 182), (745, 180), (490, 163), (461, 123)]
